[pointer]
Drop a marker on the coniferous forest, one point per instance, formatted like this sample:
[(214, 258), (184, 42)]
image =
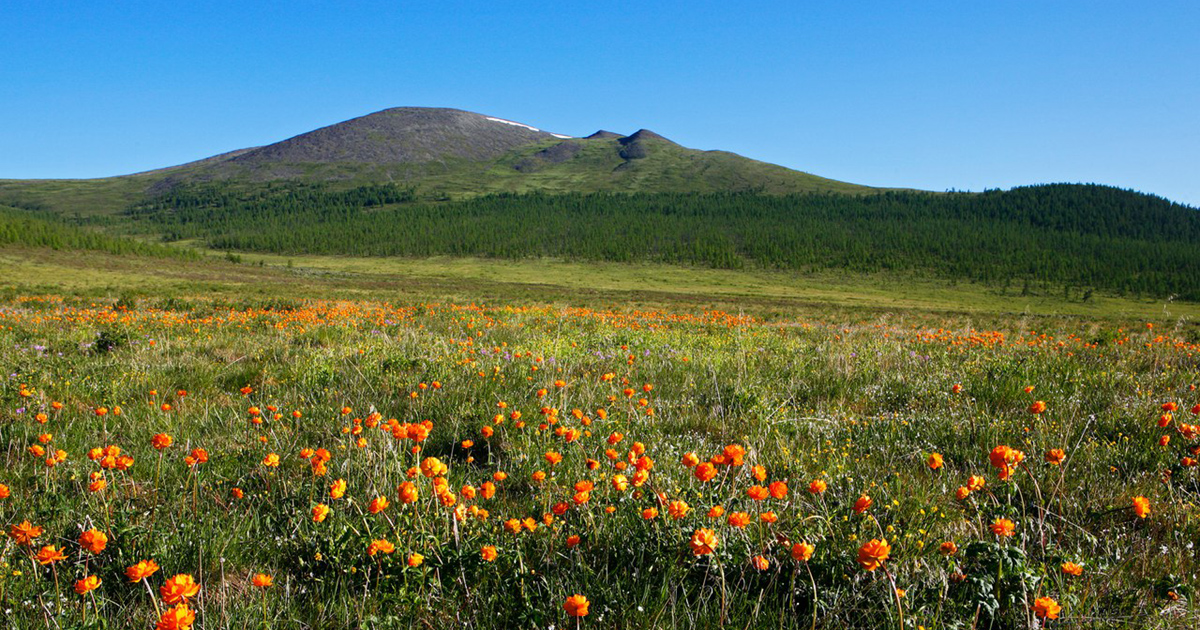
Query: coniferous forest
[(1080, 237)]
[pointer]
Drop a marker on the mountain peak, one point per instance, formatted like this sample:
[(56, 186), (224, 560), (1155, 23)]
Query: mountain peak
[(402, 135)]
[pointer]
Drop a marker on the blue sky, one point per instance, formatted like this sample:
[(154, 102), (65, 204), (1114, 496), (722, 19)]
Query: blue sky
[(937, 95)]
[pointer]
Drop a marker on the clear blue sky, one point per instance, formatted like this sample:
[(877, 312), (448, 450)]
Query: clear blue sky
[(965, 94)]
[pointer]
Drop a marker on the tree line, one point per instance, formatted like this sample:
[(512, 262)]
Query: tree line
[(1084, 236)]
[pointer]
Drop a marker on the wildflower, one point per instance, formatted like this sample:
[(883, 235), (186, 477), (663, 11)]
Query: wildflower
[(87, 584), (739, 519), (779, 489), (380, 546), (1003, 527), (338, 489), (488, 553), (802, 552), (24, 533), (141, 570), (1038, 407), (271, 460), (760, 563), (872, 554), (93, 540), (678, 509), (862, 504), (1141, 507), (703, 542), (262, 580), (576, 606), (758, 493), (50, 554), (178, 618), (975, 483), (1070, 568), (320, 512), (407, 492), (377, 505), (1046, 608), (705, 471), (817, 486), (935, 461), (1055, 456), (179, 589), (160, 441), (415, 560), (948, 548)]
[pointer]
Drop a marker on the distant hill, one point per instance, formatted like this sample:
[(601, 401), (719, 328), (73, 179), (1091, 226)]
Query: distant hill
[(417, 181), (441, 153)]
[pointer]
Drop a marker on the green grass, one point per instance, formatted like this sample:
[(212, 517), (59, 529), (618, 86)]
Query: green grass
[(856, 398)]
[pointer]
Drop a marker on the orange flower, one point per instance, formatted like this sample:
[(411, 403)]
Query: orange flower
[(320, 512), (271, 460), (1055, 456), (1046, 608), (935, 461), (141, 570), (678, 509), (488, 553), (962, 493), (179, 589), (576, 606), (1003, 527), (49, 555), (779, 489), (1070, 568), (380, 546), (716, 511), (862, 504), (975, 483), (93, 540), (802, 552), (408, 492), (650, 513), (24, 533), (1141, 507), (948, 548), (178, 618), (87, 584), (415, 559), (160, 441), (378, 504), (758, 493), (760, 563), (338, 489), (739, 519), (262, 580), (872, 554), (704, 541), (1038, 406), (705, 471), (817, 486)]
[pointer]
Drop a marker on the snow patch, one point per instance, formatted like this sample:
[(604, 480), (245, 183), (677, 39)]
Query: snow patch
[(522, 125)]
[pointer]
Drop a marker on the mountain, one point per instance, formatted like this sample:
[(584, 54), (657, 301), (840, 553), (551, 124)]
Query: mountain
[(444, 182), (442, 153)]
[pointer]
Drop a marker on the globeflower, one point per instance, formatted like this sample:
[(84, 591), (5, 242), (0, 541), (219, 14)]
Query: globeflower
[(1003, 527), (872, 554), (141, 570), (576, 606), (87, 584), (703, 542), (179, 589), (802, 552), (178, 618), (93, 541), (1141, 507), (1046, 608)]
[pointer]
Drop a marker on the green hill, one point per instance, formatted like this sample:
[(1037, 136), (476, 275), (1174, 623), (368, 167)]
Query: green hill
[(421, 182)]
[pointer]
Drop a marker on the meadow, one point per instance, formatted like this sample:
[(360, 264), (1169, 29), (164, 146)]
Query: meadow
[(204, 462)]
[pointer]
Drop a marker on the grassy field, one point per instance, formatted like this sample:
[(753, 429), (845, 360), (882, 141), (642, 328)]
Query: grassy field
[(492, 440)]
